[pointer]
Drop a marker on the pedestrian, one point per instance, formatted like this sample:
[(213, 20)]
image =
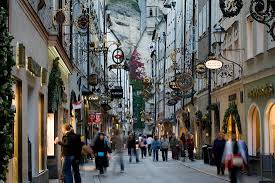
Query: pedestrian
[(190, 147), (183, 140), (77, 155), (173, 145), (102, 153), (149, 142), (179, 148), (218, 150), (155, 147), (132, 148), (234, 158), (118, 146), (142, 147), (67, 152), (164, 144)]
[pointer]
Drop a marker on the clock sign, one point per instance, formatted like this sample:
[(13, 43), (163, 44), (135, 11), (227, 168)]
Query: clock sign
[(185, 81)]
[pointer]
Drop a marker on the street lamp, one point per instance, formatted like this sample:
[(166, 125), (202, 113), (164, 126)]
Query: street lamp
[(219, 35), (213, 63)]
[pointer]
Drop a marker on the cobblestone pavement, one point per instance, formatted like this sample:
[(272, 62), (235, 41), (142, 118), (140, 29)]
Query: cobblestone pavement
[(147, 171)]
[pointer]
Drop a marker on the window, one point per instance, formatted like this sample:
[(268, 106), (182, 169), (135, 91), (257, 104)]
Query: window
[(260, 38), (151, 12), (250, 42)]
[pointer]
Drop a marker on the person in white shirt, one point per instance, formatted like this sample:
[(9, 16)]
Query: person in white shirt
[(149, 142)]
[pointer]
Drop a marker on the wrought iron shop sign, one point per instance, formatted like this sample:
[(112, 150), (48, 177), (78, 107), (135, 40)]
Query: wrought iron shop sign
[(118, 66), (116, 93), (173, 85), (93, 80), (261, 92), (185, 81), (201, 68), (263, 11), (118, 56), (231, 8)]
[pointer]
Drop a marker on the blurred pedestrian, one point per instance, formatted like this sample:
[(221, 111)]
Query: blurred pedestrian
[(190, 147), (132, 148), (118, 146), (149, 142), (183, 140), (155, 147), (218, 149), (164, 144), (77, 155), (67, 152), (234, 158), (102, 153), (179, 147), (173, 145), (142, 146)]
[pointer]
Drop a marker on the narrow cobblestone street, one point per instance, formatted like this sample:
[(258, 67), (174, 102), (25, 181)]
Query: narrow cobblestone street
[(149, 171)]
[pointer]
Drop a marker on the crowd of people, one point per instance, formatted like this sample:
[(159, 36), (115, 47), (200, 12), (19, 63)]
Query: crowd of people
[(227, 153)]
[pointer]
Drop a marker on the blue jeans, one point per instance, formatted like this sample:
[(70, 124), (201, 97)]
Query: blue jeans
[(67, 169), (155, 155)]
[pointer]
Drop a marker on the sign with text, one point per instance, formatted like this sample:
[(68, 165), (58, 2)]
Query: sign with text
[(117, 93)]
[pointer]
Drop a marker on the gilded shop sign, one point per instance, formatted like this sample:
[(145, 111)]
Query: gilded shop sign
[(33, 67), (261, 92)]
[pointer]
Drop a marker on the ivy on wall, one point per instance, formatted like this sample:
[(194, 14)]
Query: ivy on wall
[(6, 93)]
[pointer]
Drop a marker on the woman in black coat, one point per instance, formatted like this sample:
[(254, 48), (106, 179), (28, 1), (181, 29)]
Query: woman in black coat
[(101, 152), (218, 149)]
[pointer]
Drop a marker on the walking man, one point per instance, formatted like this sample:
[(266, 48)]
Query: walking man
[(155, 147), (67, 152), (77, 155), (118, 145)]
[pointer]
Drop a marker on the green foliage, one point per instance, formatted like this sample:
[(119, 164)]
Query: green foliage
[(55, 88), (6, 93), (232, 110)]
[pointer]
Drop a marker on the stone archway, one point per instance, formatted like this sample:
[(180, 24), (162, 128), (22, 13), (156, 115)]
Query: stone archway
[(254, 130)]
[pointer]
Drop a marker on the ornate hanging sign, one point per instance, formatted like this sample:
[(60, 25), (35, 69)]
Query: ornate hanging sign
[(231, 8), (118, 56), (173, 85), (185, 81), (263, 12)]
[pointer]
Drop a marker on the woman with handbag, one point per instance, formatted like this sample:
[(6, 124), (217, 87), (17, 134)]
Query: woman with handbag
[(102, 153), (234, 159)]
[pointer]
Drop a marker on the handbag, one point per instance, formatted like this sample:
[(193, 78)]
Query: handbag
[(100, 154), (237, 161)]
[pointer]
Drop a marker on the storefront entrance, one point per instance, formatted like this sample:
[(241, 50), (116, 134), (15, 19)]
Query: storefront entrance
[(254, 131), (270, 128)]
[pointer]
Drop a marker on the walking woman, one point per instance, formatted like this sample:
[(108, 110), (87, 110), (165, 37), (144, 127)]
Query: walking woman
[(164, 144), (218, 149), (190, 146), (155, 147), (102, 153)]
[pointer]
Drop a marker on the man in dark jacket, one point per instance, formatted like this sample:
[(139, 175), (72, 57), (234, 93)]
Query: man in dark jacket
[(77, 155), (67, 151), (218, 149)]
